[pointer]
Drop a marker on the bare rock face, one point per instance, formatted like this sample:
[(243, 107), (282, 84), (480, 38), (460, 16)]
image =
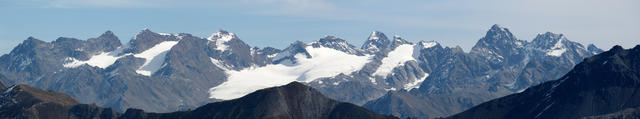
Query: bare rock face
[(498, 65), (605, 85)]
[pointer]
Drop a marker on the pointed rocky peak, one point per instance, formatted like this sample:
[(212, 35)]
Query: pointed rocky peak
[(593, 49), (105, 42), (27, 45), (145, 32), (331, 42), (397, 41), (616, 49), (499, 32), (377, 35), (376, 42), (337, 44), (498, 44), (296, 86), (146, 39), (221, 39), (498, 38), (457, 49), (222, 35), (108, 33), (32, 40), (289, 53), (557, 44), (270, 52), (330, 39), (548, 40)]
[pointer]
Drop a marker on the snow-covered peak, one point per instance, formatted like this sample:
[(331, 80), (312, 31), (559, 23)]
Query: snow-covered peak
[(428, 44), (221, 35), (553, 44), (376, 42), (220, 38), (375, 35)]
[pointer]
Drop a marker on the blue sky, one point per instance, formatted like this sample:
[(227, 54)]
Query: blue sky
[(278, 23)]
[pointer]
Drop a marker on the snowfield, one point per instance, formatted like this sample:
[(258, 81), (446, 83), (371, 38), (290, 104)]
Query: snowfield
[(558, 49), (220, 39), (397, 57), (324, 62), (102, 60), (154, 57)]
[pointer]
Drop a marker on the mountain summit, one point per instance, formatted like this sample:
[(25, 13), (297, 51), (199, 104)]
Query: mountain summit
[(606, 83), (164, 72), (377, 41)]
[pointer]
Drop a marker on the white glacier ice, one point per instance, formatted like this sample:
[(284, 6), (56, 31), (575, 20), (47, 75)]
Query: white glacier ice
[(325, 62)]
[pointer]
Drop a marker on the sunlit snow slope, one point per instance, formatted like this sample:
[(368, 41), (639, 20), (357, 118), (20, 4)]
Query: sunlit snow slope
[(397, 57), (324, 62)]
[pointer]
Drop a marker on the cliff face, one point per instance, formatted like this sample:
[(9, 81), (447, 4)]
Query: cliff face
[(600, 86)]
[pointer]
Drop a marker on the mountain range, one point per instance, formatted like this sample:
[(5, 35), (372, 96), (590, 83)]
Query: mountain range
[(602, 86), (160, 72)]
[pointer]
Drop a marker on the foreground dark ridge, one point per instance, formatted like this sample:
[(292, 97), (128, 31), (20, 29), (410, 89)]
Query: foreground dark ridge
[(604, 86), (292, 101)]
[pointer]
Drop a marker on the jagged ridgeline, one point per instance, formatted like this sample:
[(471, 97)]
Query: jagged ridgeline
[(602, 86), (161, 72)]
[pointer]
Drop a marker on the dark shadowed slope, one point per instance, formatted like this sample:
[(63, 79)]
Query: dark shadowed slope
[(23, 101), (292, 101), (604, 85)]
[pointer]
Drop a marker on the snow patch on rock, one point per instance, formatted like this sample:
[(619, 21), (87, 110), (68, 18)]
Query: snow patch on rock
[(221, 38), (154, 57), (397, 57), (558, 49), (416, 83), (428, 44), (102, 60)]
